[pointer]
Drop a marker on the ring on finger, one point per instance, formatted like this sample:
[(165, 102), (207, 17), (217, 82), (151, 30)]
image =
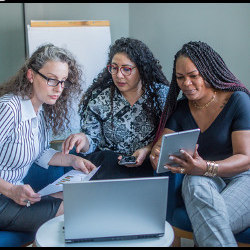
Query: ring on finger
[(182, 170), (27, 203)]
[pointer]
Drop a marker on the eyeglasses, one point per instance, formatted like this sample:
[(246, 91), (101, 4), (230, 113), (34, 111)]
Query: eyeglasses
[(54, 82), (125, 70)]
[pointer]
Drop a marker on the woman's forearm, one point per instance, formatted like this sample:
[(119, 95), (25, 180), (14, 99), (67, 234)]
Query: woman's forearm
[(5, 187), (240, 160), (60, 159), (233, 165)]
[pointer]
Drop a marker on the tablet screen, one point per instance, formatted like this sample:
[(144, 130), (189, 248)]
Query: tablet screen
[(171, 145)]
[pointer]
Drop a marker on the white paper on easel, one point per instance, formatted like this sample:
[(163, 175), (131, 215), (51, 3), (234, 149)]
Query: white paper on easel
[(90, 46), (70, 177)]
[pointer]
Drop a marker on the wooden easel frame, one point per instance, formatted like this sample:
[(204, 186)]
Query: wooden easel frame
[(72, 23)]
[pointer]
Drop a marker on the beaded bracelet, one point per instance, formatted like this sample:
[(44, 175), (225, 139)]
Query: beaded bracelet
[(212, 169)]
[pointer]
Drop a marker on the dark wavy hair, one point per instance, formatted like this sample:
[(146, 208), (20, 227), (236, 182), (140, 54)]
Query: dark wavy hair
[(149, 69), (56, 115), (211, 67)]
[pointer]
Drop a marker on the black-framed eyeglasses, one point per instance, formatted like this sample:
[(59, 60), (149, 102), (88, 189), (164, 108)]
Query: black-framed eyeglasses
[(54, 82), (125, 70)]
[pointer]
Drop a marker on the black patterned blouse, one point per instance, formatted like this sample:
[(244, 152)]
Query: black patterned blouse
[(132, 126)]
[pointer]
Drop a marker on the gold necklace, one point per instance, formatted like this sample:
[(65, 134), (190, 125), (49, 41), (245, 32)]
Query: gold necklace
[(206, 105)]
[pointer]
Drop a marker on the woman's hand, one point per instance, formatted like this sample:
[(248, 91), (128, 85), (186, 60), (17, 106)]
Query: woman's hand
[(79, 140), (21, 194), (155, 152), (154, 156), (82, 164), (187, 164), (77, 162), (140, 155)]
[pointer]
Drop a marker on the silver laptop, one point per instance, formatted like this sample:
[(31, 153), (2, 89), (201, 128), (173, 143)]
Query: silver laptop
[(115, 209)]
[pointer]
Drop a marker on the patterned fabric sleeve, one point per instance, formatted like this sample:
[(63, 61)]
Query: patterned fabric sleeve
[(92, 146), (162, 95), (92, 127)]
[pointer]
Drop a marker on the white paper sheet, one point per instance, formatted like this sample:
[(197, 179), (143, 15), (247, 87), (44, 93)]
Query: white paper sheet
[(71, 176)]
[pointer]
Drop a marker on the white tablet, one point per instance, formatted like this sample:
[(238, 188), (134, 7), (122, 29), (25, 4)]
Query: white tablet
[(171, 145)]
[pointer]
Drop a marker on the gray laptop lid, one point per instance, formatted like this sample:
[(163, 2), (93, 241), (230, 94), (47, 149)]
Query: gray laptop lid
[(115, 209)]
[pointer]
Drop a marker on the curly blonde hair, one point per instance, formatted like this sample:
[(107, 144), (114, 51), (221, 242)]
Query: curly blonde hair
[(56, 115)]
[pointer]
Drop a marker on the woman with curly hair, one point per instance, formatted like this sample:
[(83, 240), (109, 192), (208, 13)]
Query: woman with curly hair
[(121, 109), (216, 184), (32, 102)]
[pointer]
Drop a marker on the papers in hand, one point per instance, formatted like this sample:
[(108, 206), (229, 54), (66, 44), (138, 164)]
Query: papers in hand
[(71, 176)]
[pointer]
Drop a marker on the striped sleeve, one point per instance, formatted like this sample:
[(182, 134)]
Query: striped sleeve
[(46, 156), (46, 153), (6, 121)]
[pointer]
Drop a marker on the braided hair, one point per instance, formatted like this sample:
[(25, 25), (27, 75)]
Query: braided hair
[(150, 72), (211, 67)]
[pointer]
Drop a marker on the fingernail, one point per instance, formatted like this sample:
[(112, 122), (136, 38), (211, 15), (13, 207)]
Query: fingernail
[(171, 157), (166, 167), (153, 157), (182, 151)]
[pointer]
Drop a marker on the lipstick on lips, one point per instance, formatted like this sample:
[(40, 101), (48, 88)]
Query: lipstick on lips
[(121, 84), (54, 97), (189, 92)]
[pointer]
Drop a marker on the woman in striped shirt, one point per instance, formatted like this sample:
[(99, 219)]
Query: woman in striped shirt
[(32, 102)]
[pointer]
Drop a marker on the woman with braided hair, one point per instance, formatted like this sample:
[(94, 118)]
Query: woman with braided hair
[(216, 184), (121, 109)]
